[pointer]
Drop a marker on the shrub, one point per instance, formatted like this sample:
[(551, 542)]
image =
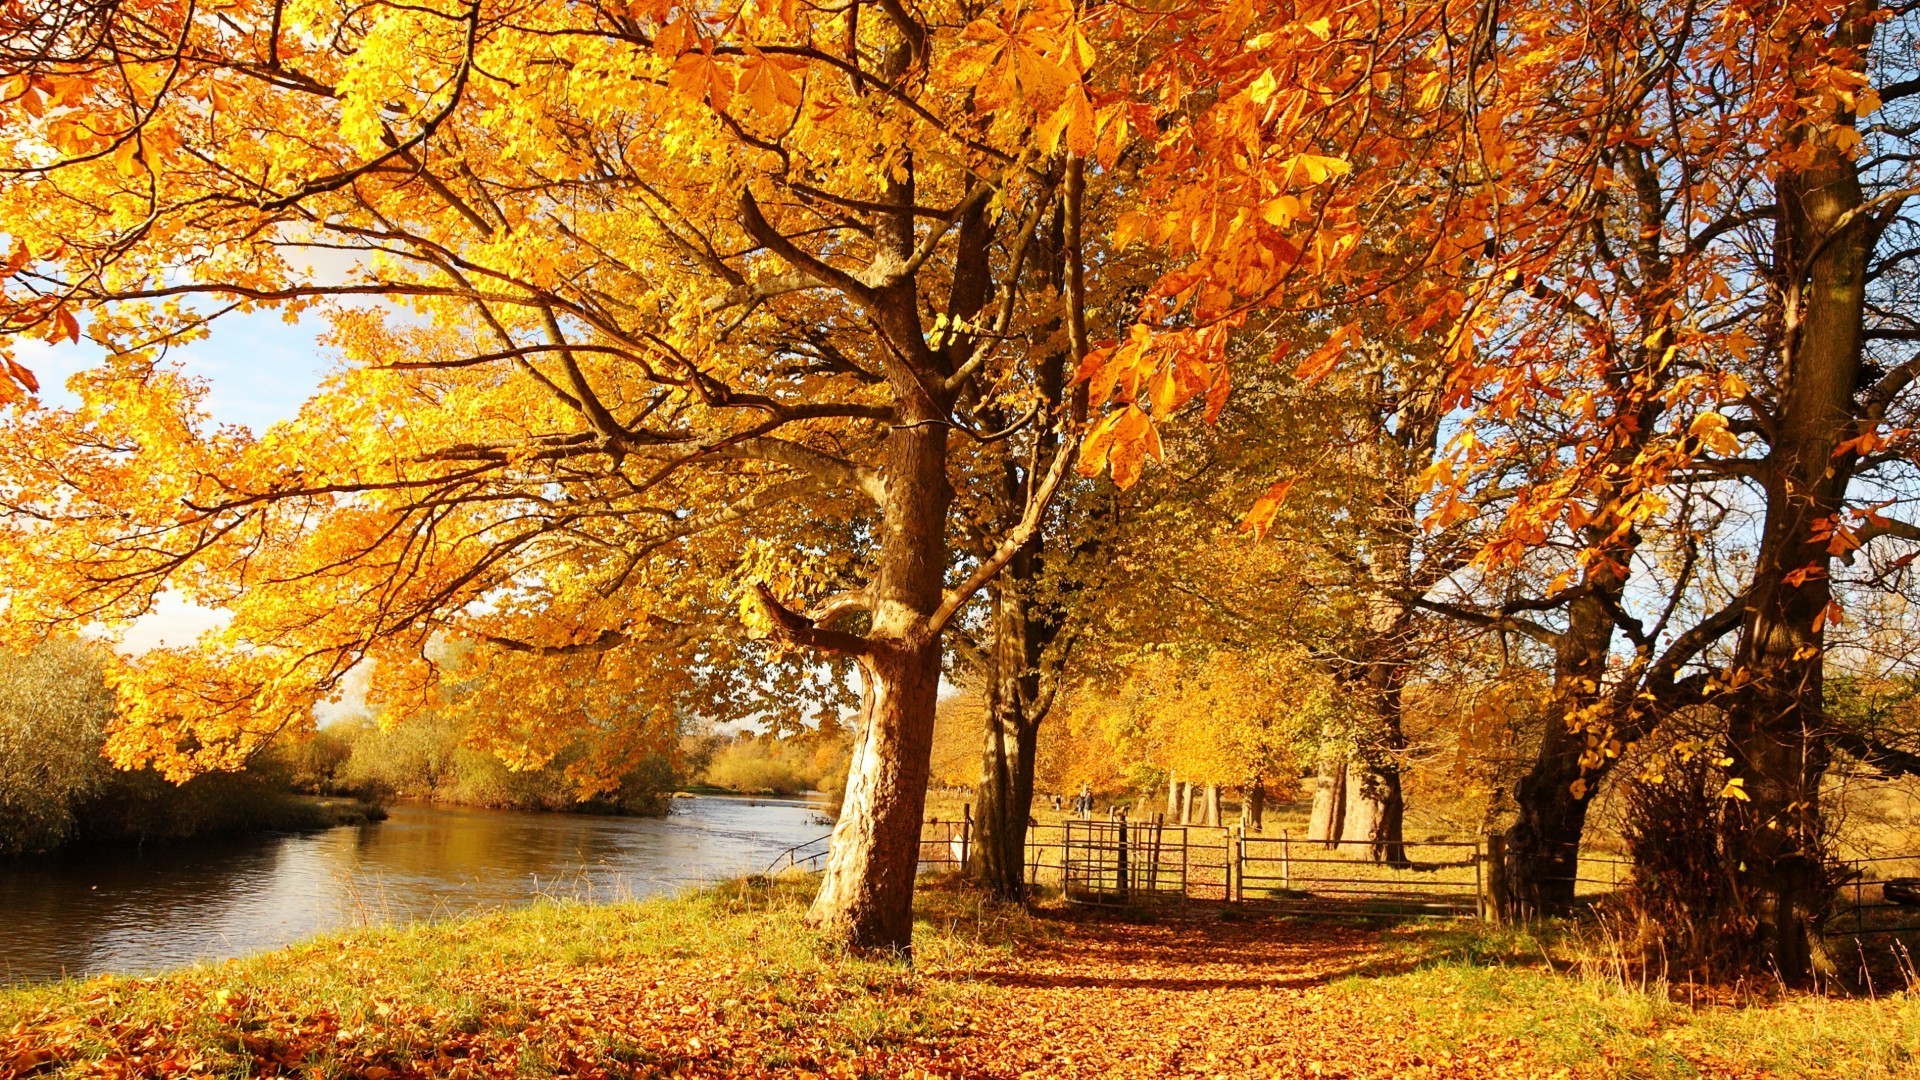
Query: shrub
[(54, 709), (775, 765), (1682, 900)]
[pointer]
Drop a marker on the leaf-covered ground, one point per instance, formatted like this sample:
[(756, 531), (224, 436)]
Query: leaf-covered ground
[(730, 984)]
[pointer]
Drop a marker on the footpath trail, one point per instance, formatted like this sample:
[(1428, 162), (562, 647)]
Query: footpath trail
[(1207, 998)]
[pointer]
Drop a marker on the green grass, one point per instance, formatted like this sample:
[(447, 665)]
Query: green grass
[(1547, 987), (400, 991)]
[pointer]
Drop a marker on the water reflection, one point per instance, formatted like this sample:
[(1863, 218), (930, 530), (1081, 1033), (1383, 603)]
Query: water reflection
[(162, 907)]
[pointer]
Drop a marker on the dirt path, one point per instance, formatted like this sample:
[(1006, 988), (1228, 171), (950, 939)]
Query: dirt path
[(1213, 999)]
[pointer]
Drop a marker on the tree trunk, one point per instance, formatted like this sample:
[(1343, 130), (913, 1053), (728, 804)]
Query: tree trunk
[(1257, 806), (1329, 801), (1776, 728), (1173, 797), (1012, 736), (998, 860), (1376, 814), (1374, 822), (1213, 805), (1022, 629), (1543, 844), (1186, 802), (866, 897)]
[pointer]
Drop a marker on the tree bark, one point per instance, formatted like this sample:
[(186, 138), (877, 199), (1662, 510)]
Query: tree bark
[(1213, 805), (1543, 844), (1257, 805), (1007, 764), (1022, 629), (1329, 801), (866, 897), (1006, 804), (1776, 729), (1376, 813)]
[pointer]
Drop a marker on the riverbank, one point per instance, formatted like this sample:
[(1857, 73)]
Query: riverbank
[(729, 982), (139, 814)]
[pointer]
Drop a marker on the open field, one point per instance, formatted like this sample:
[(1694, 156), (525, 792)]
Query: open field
[(730, 982)]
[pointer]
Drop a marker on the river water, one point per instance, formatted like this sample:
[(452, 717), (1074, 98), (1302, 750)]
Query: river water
[(165, 906)]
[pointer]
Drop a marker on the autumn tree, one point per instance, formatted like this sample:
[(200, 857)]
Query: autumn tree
[(1697, 204), (649, 316)]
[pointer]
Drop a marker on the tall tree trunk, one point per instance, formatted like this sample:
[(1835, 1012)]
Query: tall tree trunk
[(1006, 771), (1776, 728), (1257, 805), (1543, 844), (1022, 630), (1186, 802), (866, 896), (1005, 796), (1329, 801), (1213, 805), (1376, 814), (1173, 797)]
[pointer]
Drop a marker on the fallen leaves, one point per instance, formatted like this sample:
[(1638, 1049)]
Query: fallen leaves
[(1069, 996)]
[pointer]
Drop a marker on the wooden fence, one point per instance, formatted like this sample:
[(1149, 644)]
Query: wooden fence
[(1119, 862)]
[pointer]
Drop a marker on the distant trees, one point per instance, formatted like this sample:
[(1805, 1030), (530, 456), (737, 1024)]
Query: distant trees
[(781, 764)]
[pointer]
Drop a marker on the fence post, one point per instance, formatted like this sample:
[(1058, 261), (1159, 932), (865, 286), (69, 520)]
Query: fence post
[(1120, 860), (1493, 879), (1153, 856), (1183, 861), (966, 832), (1239, 864), (1286, 860)]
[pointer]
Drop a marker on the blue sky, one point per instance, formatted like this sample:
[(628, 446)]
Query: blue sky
[(258, 367)]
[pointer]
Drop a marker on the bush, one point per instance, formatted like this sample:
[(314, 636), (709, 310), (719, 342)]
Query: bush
[(1682, 899), (54, 709), (753, 767), (57, 789)]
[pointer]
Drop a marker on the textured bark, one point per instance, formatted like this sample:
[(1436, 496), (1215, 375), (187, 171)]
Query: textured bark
[(1543, 844), (1329, 801), (1256, 806), (1006, 770), (1005, 793), (1022, 630), (1776, 728), (1213, 805), (1376, 812), (866, 897)]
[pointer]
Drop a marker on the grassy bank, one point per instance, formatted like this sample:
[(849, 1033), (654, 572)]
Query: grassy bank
[(730, 982)]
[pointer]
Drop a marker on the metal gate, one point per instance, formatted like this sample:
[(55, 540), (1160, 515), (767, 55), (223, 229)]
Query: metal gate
[(1119, 862)]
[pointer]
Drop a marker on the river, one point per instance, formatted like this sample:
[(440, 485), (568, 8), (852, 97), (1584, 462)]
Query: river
[(166, 906)]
